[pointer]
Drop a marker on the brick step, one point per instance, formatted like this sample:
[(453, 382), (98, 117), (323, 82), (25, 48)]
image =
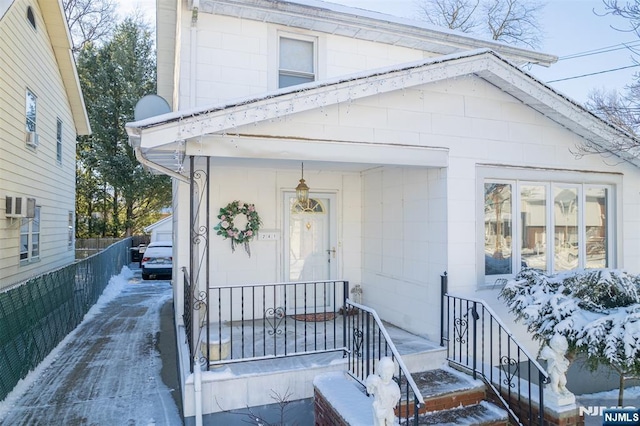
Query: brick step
[(481, 414), (442, 389), (451, 398)]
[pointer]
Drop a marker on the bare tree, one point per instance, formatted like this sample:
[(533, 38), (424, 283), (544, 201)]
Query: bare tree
[(509, 21), (514, 21), (627, 10), (617, 109), (621, 109), (90, 20), (452, 14)]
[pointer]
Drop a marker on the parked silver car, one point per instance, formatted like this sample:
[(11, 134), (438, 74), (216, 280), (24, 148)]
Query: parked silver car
[(157, 260)]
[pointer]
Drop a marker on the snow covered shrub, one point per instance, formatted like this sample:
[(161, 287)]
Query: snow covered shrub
[(542, 303), (597, 310), (602, 289)]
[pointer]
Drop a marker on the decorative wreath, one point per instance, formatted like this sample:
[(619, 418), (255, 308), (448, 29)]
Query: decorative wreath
[(227, 229)]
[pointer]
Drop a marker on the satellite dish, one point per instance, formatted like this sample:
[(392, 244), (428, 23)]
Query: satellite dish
[(150, 106)]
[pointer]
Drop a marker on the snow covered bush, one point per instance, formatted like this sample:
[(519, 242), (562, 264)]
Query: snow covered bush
[(597, 310)]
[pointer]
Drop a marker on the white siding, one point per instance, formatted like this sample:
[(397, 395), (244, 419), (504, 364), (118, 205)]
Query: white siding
[(408, 225), (28, 62), (236, 57), (419, 223)]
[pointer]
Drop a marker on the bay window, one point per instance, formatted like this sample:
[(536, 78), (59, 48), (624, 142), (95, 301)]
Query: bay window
[(551, 226)]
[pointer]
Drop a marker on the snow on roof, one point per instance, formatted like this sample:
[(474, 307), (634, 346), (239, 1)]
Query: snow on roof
[(364, 24), (497, 70), (366, 13), (193, 112)]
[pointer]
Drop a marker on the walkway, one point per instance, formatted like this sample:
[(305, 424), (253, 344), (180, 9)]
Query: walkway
[(109, 371)]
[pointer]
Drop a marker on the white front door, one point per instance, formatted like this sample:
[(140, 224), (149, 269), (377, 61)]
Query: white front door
[(310, 248)]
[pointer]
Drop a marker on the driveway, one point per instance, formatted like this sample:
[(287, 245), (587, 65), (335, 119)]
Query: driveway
[(109, 371)]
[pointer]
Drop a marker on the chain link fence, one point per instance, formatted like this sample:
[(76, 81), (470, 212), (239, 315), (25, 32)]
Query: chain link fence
[(37, 315)]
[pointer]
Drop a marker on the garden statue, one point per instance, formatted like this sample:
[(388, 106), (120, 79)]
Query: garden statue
[(557, 365), (386, 393)]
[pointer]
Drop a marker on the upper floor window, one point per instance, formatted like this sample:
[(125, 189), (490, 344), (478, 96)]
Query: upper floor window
[(70, 244), (297, 61), (59, 141), (31, 102), (30, 237), (31, 17), (551, 226)]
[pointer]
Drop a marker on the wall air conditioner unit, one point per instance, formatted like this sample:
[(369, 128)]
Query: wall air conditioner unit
[(21, 207), (32, 139)]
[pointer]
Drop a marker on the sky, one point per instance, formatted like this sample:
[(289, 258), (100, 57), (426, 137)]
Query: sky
[(570, 28)]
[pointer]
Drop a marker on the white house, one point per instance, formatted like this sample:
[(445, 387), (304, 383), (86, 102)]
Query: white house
[(42, 112), (425, 150)]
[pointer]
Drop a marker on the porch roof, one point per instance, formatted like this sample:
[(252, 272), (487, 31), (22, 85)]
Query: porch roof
[(165, 139)]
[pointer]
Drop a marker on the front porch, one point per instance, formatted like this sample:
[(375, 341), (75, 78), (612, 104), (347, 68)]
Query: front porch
[(248, 347), (277, 356)]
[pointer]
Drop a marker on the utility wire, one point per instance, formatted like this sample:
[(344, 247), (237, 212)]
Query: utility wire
[(593, 73), (606, 49), (598, 51)]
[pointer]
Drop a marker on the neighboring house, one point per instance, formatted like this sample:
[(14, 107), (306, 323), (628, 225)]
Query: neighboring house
[(427, 150), (162, 230), (42, 111)]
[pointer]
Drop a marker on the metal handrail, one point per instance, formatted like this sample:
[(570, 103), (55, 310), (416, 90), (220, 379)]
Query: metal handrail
[(368, 341), (497, 319), (392, 347), (187, 313), (504, 373)]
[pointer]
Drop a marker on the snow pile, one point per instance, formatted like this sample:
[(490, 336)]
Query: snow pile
[(597, 310)]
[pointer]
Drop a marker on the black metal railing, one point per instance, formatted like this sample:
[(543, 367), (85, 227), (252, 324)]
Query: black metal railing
[(187, 313), (367, 342), (479, 342), (264, 321)]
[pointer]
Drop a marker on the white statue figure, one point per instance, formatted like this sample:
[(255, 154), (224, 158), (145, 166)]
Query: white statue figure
[(386, 393), (557, 363)]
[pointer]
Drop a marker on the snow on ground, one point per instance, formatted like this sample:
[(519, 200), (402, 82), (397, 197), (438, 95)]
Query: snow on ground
[(106, 371), (113, 289)]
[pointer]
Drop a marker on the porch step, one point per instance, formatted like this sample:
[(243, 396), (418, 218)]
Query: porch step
[(452, 397), (445, 388), (481, 414)]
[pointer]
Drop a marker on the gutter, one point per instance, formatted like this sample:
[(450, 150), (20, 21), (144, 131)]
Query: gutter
[(150, 164)]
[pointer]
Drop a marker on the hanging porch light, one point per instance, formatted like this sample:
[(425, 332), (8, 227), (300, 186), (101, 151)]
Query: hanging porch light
[(302, 190)]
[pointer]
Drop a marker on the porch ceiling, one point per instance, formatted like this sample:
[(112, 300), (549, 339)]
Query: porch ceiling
[(287, 155)]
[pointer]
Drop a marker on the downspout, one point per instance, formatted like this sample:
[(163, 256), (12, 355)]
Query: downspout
[(193, 62), (193, 54)]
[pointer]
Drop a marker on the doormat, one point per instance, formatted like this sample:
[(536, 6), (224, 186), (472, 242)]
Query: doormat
[(319, 317)]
